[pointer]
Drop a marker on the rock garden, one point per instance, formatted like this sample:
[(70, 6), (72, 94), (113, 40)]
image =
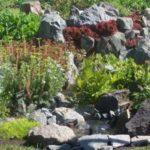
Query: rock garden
[(74, 75)]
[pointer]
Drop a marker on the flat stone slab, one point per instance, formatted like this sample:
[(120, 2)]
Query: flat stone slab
[(119, 140), (93, 142), (140, 140)]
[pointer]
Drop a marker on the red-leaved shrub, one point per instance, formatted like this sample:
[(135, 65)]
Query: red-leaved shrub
[(131, 43), (107, 28)]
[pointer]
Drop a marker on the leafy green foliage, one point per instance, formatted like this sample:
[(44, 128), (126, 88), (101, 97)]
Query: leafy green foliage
[(100, 75), (38, 78), (16, 129), (14, 147), (17, 25)]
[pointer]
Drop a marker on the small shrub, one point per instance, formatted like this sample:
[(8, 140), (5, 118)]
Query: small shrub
[(103, 74), (17, 129), (107, 28), (38, 78), (18, 25), (131, 43)]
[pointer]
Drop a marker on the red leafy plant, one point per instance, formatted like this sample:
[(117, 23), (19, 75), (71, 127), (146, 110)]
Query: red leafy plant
[(137, 20), (106, 28)]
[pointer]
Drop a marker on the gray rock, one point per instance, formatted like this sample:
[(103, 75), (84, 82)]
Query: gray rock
[(47, 112), (51, 120), (119, 140), (72, 72), (106, 148), (131, 34), (142, 52), (125, 23), (65, 115), (146, 18), (93, 142), (112, 44), (50, 134), (87, 111), (32, 6), (61, 100), (93, 15), (87, 43), (140, 123), (112, 101), (59, 147), (39, 116), (52, 26), (147, 13), (140, 141), (145, 32)]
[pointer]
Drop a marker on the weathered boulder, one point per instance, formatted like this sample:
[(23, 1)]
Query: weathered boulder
[(140, 140), (93, 142), (113, 44), (140, 123), (93, 15), (50, 134), (142, 52), (119, 140), (125, 23), (52, 26), (32, 6), (68, 115), (112, 101)]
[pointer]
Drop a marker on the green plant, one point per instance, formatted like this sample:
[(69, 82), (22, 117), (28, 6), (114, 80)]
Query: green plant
[(14, 147), (17, 129), (102, 74), (17, 25), (37, 78)]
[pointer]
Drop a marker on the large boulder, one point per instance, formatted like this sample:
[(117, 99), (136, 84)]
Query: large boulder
[(140, 123), (68, 115), (93, 15), (52, 26), (113, 44), (93, 142), (50, 134), (32, 6), (142, 52), (112, 101)]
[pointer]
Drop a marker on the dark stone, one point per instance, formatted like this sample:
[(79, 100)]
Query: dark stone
[(111, 101), (113, 44), (142, 52), (140, 123), (52, 26)]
